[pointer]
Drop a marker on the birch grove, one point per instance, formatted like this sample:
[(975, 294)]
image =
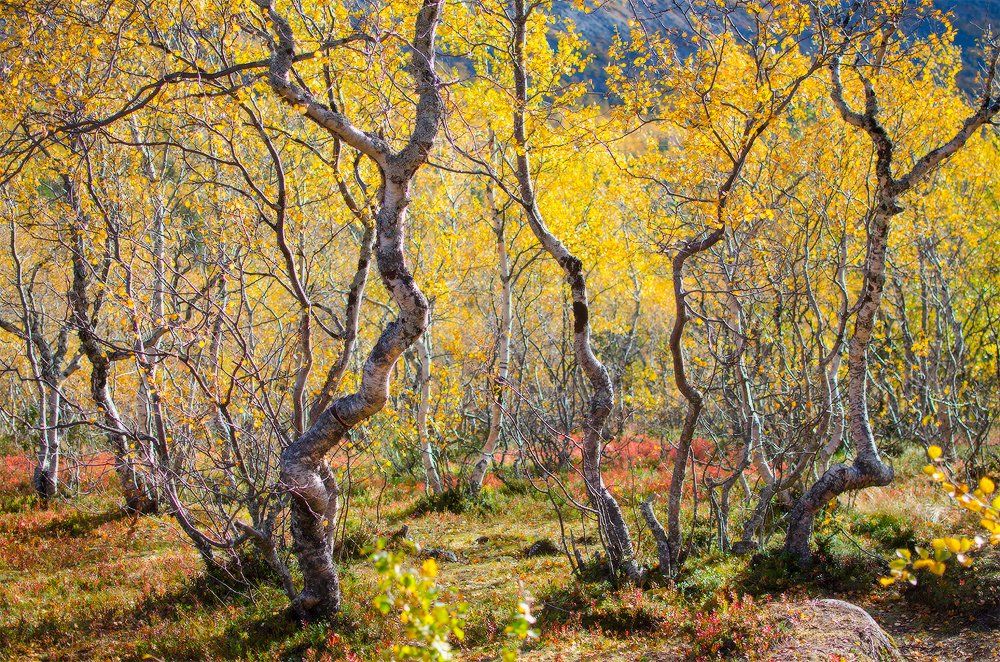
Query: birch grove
[(762, 243)]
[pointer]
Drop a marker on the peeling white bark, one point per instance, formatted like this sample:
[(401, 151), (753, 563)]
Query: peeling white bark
[(431, 475), (304, 471), (868, 468), (612, 525)]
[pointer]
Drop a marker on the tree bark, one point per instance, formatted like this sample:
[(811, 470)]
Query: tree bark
[(503, 355), (688, 391), (611, 521), (352, 316), (868, 469), (304, 471), (431, 475), (137, 487), (46, 359), (46, 476)]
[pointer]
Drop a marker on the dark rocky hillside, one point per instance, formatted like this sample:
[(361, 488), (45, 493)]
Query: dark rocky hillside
[(971, 17)]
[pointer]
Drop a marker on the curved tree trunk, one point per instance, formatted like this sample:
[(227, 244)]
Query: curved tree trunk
[(45, 359), (868, 469), (352, 316), (613, 528), (304, 471), (138, 488), (303, 468), (690, 393)]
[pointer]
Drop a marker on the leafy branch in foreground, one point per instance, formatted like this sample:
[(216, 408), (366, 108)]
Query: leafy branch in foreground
[(519, 629), (962, 548), (428, 622)]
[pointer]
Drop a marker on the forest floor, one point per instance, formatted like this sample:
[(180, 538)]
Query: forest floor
[(81, 580)]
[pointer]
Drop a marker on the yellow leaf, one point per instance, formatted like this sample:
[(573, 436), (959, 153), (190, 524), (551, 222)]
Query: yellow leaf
[(934, 452), (429, 568)]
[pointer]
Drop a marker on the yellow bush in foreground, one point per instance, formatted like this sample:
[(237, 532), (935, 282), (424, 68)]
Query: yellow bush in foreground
[(960, 548)]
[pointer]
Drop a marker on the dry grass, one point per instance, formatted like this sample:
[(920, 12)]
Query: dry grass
[(80, 581)]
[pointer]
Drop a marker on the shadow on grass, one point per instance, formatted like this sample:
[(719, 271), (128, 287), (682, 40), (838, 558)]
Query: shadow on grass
[(252, 624), (255, 630), (837, 571), (596, 605), (80, 523)]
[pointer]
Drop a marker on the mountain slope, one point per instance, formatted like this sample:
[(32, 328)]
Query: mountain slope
[(970, 17)]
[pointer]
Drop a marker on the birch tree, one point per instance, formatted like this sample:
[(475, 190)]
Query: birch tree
[(868, 468), (304, 470)]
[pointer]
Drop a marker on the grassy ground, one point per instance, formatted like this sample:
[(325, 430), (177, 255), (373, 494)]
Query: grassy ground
[(81, 581)]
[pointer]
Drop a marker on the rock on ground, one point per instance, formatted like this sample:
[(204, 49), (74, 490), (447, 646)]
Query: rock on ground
[(439, 554), (543, 547), (833, 629)]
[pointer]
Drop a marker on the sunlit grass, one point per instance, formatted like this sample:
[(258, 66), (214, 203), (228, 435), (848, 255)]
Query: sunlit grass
[(82, 579)]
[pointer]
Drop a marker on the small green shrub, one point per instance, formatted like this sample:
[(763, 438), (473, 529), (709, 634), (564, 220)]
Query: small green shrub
[(837, 567), (356, 541), (458, 501), (511, 485), (598, 605), (889, 531), (769, 572), (703, 577), (519, 631)]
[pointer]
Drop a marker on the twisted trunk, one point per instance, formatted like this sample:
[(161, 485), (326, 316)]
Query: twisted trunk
[(304, 471), (868, 469), (352, 316), (614, 531), (138, 487), (688, 391), (44, 360)]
